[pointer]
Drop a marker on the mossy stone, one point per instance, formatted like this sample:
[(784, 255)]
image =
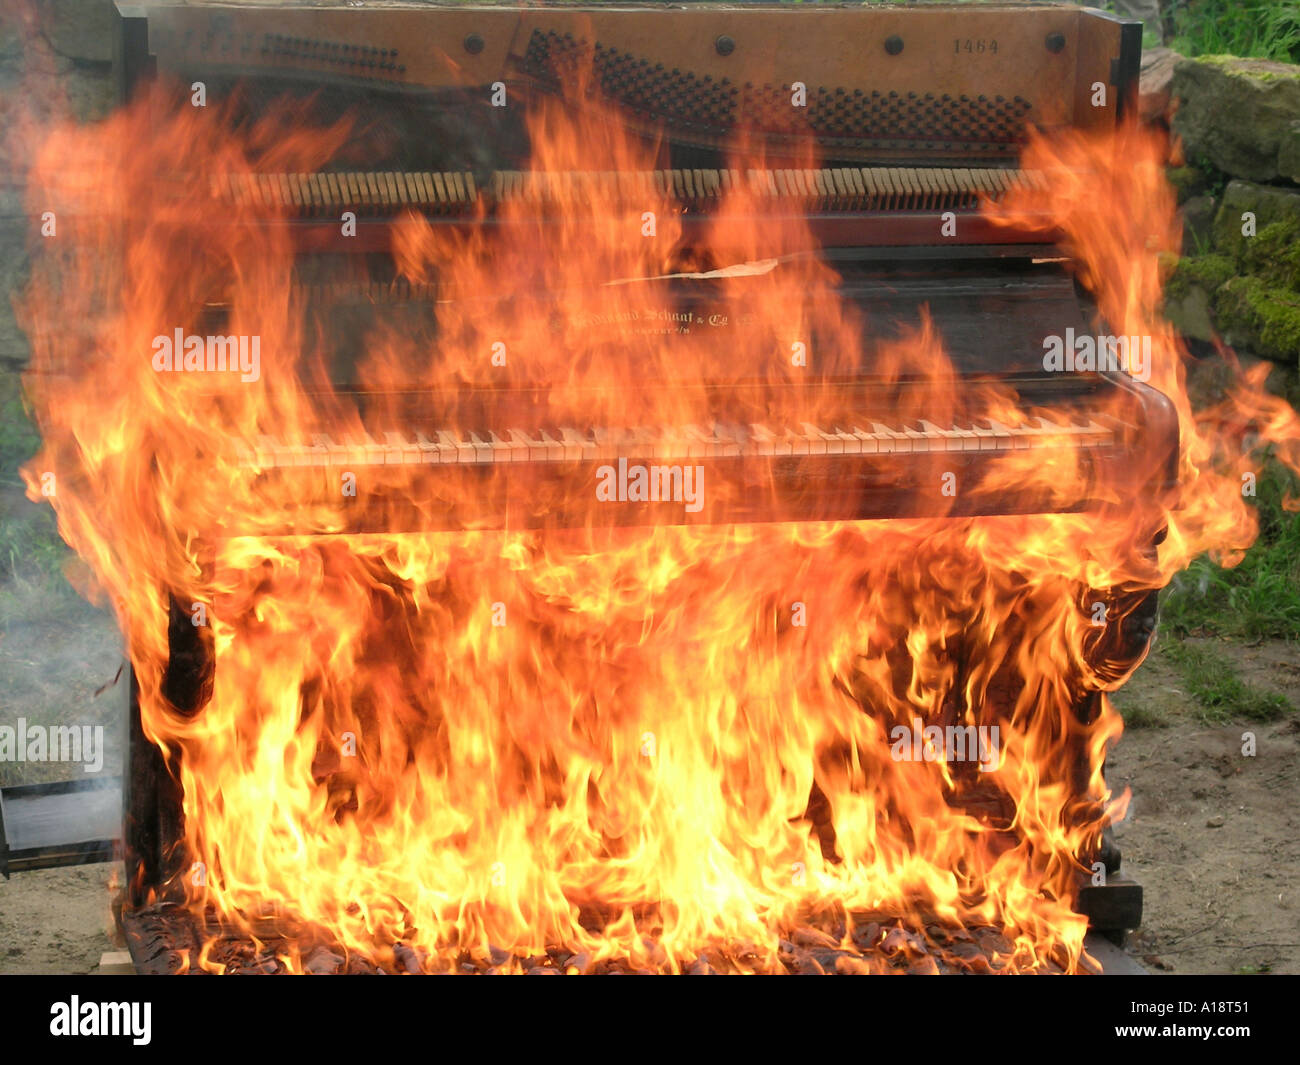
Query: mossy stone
[(1198, 223), (1288, 153), (1207, 272), (1188, 181), (1188, 311), (1267, 204), (1274, 254), (1236, 113), (1261, 318)]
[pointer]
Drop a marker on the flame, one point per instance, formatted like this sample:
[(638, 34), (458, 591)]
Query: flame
[(641, 743)]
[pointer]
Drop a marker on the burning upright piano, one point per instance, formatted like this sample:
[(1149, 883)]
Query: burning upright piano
[(614, 491)]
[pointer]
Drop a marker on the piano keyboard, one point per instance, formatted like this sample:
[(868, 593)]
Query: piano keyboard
[(833, 189), (716, 440)]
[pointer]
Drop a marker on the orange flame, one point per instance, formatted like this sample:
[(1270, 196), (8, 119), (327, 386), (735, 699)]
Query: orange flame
[(638, 743)]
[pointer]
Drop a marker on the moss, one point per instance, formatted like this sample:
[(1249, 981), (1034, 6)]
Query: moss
[(1188, 181), (1209, 272), (1269, 204), (1274, 254), (1267, 70), (1251, 285), (1266, 318), (1281, 322)]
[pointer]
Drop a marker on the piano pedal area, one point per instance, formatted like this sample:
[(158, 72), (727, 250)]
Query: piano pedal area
[(166, 935)]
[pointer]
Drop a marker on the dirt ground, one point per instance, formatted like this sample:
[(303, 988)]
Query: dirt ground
[(1212, 835), (57, 920)]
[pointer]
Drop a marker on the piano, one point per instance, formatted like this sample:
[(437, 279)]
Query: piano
[(912, 120)]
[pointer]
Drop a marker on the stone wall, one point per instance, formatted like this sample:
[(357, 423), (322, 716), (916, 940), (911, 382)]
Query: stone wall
[(1239, 278)]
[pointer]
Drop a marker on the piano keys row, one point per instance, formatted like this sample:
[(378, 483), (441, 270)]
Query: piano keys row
[(714, 440)]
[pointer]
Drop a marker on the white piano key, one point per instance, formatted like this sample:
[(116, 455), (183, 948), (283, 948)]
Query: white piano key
[(453, 447), (1097, 435), (283, 455), (693, 442), (354, 452), (850, 442), (534, 450), (821, 442), (891, 441), (576, 444), (967, 440), (921, 441), (734, 437), (1016, 439), (799, 442), (1049, 433), (868, 443), (326, 449), (725, 438), (376, 454), (839, 443), (429, 451), (610, 441), (554, 448), (483, 452), (941, 439), (411, 452), (643, 442), (991, 437), (764, 440), (570, 451), (700, 442), (508, 450), (400, 450), (672, 443)]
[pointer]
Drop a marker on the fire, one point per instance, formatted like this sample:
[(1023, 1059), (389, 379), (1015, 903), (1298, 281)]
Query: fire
[(652, 743)]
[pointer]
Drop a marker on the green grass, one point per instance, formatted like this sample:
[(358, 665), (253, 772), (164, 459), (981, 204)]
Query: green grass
[(1254, 29), (18, 436), (1220, 693), (1260, 598), (30, 547), (1140, 715), (31, 551)]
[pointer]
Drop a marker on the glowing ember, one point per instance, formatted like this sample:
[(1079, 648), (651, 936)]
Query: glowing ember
[(645, 743)]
